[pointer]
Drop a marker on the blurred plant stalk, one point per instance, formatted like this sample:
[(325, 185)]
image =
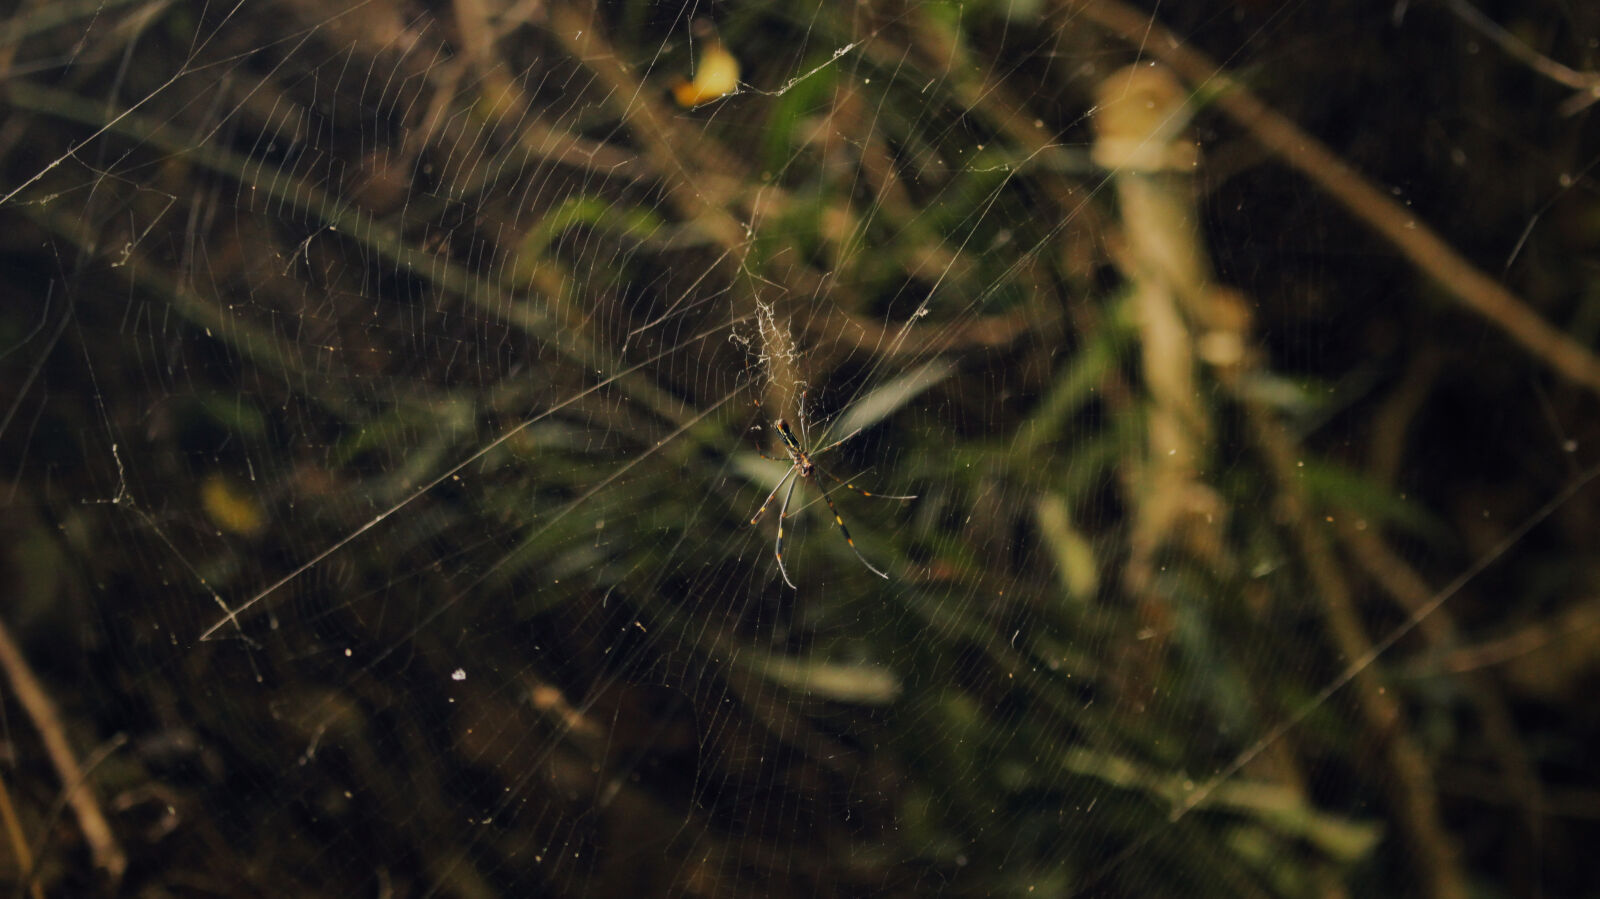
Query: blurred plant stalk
[(1141, 117)]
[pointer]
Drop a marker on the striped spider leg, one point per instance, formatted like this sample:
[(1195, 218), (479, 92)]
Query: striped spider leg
[(803, 467)]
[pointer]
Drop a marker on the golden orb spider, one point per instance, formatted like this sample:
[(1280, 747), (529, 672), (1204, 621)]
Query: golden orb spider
[(803, 466)]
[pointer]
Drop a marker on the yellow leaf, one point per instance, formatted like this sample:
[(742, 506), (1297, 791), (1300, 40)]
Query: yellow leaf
[(230, 507), (715, 77)]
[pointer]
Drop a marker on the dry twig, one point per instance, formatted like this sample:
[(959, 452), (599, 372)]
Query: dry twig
[(103, 846)]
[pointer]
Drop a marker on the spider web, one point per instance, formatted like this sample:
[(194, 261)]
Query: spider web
[(392, 384)]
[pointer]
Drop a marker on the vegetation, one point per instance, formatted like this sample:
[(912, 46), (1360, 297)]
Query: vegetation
[(387, 388)]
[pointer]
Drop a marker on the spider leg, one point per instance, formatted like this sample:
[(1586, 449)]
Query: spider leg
[(835, 443), (850, 486), (839, 520), (768, 501), (783, 515)]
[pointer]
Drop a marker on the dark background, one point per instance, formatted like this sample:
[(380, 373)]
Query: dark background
[(429, 337)]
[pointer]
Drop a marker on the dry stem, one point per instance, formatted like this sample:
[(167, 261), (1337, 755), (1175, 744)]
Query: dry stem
[(41, 709)]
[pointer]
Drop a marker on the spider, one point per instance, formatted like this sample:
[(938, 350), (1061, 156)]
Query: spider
[(802, 466)]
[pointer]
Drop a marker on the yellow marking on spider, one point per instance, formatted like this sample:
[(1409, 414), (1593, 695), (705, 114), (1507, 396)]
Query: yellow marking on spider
[(802, 466)]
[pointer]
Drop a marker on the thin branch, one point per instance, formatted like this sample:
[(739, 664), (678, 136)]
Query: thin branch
[(1411, 782), (1408, 588), (96, 830), (1587, 84), (19, 842)]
